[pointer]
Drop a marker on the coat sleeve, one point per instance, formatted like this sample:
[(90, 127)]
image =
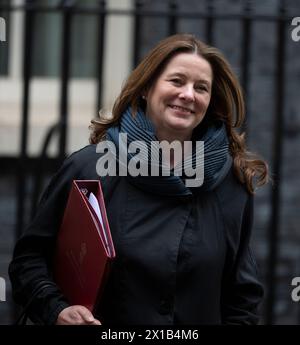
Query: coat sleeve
[(31, 263), (242, 292)]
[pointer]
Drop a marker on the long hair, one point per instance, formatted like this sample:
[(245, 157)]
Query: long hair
[(227, 102)]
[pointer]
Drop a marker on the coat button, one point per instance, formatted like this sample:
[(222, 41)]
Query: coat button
[(166, 306)]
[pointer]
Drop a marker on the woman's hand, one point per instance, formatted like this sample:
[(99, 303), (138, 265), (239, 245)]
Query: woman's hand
[(76, 315)]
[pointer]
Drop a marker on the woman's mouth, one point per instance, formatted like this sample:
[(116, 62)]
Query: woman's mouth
[(181, 109)]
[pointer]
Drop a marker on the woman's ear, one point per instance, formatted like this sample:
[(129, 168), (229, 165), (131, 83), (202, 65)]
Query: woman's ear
[(144, 94)]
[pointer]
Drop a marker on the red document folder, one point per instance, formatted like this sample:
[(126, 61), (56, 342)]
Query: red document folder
[(84, 249)]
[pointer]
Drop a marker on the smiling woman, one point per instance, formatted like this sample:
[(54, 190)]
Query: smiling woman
[(179, 98), (183, 251), (194, 66)]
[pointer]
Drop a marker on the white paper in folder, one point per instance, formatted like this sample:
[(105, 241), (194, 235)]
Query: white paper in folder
[(94, 203)]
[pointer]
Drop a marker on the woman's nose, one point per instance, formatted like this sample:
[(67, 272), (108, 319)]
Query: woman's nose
[(187, 93)]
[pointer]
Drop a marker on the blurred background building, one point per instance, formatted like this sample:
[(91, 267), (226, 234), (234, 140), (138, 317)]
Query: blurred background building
[(62, 61)]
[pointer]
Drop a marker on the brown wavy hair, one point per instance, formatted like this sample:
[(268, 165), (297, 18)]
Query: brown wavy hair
[(227, 102)]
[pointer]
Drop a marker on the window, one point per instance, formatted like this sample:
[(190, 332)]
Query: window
[(48, 43)]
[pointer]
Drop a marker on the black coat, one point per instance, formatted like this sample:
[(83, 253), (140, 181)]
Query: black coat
[(182, 260)]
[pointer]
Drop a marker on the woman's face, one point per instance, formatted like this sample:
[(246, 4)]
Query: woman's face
[(179, 98)]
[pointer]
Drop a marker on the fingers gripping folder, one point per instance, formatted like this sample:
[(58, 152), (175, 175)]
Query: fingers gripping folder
[(84, 250)]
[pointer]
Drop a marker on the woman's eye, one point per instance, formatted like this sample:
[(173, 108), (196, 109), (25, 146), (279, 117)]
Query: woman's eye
[(201, 88), (176, 81)]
